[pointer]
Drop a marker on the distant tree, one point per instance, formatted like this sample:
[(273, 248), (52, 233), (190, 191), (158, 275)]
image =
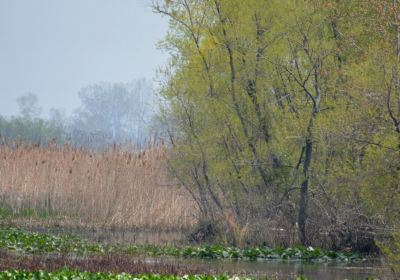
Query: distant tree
[(28, 106), (36, 130), (58, 117), (119, 110), (58, 123)]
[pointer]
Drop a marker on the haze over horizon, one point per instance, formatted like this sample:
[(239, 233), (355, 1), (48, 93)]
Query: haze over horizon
[(55, 48)]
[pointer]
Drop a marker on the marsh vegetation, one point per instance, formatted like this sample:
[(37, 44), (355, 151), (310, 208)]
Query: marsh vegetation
[(275, 139)]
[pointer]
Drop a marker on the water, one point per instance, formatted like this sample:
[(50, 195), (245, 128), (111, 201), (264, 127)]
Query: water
[(290, 270), (120, 236), (279, 270)]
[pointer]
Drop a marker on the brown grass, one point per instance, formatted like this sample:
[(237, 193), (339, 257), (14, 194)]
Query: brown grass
[(112, 187)]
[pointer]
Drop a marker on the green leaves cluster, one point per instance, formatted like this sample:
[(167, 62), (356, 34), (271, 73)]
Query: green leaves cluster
[(258, 253), (391, 251), (33, 243), (76, 275)]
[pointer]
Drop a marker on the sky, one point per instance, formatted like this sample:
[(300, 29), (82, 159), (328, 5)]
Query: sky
[(54, 48)]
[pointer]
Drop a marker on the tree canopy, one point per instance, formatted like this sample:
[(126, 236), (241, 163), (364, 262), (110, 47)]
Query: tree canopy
[(287, 113)]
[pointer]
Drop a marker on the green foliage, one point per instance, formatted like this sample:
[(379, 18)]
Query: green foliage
[(33, 243), (26, 242), (261, 253), (66, 274), (391, 251), (265, 98), (29, 130), (7, 213)]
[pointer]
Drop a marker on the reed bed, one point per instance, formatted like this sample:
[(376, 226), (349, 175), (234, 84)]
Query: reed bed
[(113, 187)]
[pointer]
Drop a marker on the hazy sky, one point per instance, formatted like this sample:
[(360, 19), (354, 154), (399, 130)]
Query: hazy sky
[(55, 47)]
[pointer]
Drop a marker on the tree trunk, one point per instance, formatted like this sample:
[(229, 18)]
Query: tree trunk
[(302, 218)]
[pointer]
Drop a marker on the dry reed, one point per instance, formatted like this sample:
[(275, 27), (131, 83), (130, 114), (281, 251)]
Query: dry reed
[(111, 187)]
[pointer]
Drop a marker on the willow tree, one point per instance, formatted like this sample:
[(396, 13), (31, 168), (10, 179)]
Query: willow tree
[(377, 83), (217, 96), (275, 111)]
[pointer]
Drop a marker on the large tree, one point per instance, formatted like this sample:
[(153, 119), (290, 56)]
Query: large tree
[(279, 110)]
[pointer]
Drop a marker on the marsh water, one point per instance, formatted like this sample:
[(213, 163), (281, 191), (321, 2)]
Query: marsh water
[(290, 270), (279, 270)]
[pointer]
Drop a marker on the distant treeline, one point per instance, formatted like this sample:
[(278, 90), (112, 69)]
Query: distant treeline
[(109, 114)]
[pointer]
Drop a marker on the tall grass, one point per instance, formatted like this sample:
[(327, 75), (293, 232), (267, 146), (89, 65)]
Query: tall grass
[(110, 187)]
